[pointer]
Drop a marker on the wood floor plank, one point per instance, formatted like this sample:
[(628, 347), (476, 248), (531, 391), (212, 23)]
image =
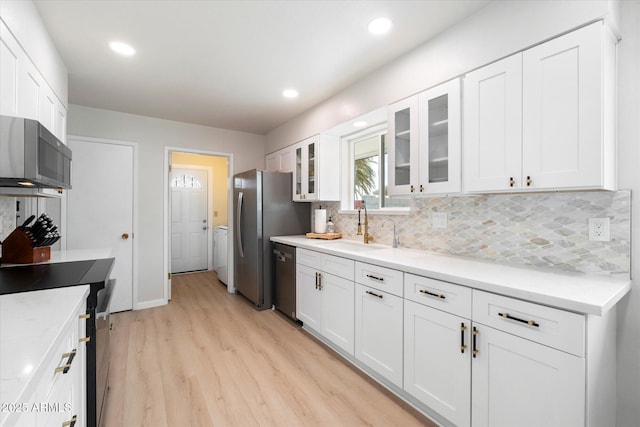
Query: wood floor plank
[(208, 358)]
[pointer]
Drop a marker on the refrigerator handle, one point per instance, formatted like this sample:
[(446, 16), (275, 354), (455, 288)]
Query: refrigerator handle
[(238, 225)]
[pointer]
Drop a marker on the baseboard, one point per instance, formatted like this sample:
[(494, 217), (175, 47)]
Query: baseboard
[(150, 304)]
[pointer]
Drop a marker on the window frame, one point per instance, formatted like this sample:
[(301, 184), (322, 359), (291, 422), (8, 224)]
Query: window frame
[(347, 143)]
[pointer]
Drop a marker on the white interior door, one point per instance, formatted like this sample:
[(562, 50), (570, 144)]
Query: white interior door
[(189, 225), (100, 208)]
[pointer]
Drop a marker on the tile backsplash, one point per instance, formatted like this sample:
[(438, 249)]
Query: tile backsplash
[(7, 216), (541, 229)]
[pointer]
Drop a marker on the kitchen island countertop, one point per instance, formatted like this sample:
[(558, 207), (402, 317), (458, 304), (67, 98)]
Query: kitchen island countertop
[(30, 324)]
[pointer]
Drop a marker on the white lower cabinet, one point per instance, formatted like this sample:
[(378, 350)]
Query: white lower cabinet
[(463, 356), (437, 366), (324, 301), (517, 382), (379, 332)]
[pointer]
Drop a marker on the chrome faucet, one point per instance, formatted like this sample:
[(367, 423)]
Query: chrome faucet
[(367, 237), (395, 236)]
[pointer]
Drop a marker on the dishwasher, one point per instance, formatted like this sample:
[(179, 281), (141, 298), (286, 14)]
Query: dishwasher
[(284, 279)]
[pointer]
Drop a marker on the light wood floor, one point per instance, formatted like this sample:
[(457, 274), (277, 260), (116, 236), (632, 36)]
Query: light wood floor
[(209, 359)]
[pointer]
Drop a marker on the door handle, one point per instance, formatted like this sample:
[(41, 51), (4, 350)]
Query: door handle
[(125, 236), (204, 228), (238, 225)]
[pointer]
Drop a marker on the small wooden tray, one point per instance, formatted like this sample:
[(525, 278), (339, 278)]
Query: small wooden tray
[(326, 236)]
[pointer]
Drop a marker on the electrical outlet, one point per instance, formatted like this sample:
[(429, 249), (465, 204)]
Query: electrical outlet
[(440, 220), (599, 229)]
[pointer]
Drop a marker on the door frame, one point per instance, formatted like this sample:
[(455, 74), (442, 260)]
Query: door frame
[(168, 150), (210, 228), (134, 231)]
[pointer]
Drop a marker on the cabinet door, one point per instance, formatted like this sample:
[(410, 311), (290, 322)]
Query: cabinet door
[(440, 139), (273, 162), (403, 140), (286, 161), (310, 177), (30, 90), (517, 382), (493, 126), (379, 332), (562, 111), (9, 71), (47, 114), (299, 172), (437, 365), (308, 297), (337, 310)]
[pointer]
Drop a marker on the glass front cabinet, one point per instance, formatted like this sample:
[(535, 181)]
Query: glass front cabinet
[(424, 152), (312, 177), (440, 140)]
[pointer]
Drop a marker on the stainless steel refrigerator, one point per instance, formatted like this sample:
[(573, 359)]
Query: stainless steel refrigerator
[(263, 207)]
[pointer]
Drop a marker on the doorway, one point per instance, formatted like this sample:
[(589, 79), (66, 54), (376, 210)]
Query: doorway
[(196, 204)]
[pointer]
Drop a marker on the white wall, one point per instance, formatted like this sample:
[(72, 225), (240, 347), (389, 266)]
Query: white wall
[(152, 135), (498, 30), (23, 19)]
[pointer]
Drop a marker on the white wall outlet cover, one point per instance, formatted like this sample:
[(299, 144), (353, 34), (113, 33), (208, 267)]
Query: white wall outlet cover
[(440, 220), (599, 229)]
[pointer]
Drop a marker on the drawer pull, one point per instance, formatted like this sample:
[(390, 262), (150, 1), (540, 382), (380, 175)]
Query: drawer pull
[(374, 294), (379, 279), (424, 291), (71, 422), (65, 368), (462, 346), (528, 322), (474, 349)]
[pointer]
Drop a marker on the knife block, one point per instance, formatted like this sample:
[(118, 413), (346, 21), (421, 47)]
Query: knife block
[(17, 248)]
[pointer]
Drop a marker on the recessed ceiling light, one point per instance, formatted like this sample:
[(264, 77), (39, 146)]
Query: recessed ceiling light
[(290, 93), (360, 123), (379, 26), (122, 48)]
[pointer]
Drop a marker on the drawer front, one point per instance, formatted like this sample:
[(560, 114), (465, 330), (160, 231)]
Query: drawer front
[(67, 342), (309, 258), (338, 266), (384, 279), (444, 296), (553, 327)]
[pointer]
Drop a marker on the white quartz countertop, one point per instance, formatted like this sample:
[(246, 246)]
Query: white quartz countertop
[(30, 324), (578, 292), (72, 255)]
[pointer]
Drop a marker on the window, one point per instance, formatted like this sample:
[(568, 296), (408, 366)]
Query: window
[(368, 159), (185, 181)]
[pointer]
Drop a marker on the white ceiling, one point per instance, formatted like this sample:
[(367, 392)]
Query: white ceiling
[(225, 63)]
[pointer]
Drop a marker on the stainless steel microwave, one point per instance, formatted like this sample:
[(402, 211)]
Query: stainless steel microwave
[(31, 156)]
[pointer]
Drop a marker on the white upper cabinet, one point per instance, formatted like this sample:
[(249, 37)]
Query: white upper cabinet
[(315, 175), (281, 160), (9, 58), (440, 139), (424, 142), (23, 90), (566, 139), (403, 140), (493, 126)]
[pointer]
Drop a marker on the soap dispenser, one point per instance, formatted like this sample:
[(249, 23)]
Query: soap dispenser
[(331, 228)]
